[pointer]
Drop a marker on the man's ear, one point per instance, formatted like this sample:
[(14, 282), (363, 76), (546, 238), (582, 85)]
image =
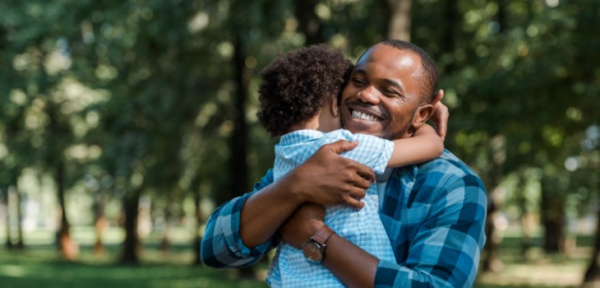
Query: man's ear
[(425, 112), (335, 110), (422, 114)]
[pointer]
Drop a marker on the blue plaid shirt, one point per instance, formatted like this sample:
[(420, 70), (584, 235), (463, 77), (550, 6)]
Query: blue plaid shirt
[(434, 214)]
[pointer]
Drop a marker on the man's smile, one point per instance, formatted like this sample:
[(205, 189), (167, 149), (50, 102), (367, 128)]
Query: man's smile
[(362, 116), (364, 113), (359, 117)]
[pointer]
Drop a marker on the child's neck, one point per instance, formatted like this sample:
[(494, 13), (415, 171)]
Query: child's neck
[(324, 122)]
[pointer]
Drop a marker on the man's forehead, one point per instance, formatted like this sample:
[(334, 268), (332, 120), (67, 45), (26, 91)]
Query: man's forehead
[(391, 60)]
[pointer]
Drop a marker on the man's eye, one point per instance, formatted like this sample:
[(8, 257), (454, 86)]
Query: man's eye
[(358, 82)]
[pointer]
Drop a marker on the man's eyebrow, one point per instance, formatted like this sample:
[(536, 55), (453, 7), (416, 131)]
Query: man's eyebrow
[(361, 71)]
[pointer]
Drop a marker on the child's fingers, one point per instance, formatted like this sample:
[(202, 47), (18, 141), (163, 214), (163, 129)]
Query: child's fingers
[(357, 193), (342, 146), (354, 203)]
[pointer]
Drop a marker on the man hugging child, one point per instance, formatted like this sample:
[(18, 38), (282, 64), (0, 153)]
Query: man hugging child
[(299, 98)]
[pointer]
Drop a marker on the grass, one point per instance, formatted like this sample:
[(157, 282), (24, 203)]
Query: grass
[(40, 266), (536, 269)]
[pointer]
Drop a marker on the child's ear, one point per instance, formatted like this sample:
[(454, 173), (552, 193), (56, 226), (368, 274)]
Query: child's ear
[(335, 110), (422, 114)]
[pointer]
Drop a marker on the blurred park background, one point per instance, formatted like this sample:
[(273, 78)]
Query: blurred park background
[(123, 124)]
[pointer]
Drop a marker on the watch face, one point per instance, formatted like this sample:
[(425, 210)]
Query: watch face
[(312, 252)]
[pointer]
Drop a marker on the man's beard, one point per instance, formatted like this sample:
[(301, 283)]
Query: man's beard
[(406, 128)]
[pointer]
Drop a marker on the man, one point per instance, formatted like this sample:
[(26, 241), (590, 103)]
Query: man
[(433, 212)]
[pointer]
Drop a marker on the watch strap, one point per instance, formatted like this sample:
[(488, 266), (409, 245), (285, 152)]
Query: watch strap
[(322, 235)]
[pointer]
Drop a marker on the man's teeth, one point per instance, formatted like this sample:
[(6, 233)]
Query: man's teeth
[(363, 116)]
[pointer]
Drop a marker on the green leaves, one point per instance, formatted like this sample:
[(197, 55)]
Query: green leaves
[(143, 90)]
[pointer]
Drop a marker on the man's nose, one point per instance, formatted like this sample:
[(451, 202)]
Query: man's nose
[(369, 95)]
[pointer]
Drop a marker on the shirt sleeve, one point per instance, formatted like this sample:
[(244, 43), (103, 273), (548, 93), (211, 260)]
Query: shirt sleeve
[(446, 249), (222, 245), (372, 151)]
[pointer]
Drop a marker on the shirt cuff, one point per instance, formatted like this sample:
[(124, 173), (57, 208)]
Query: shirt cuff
[(387, 274), (234, 239)]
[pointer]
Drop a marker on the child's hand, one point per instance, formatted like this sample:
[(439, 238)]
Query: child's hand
[(440, 115)]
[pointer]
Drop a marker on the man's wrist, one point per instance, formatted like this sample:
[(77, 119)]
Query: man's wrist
[(314, 248), (293, 187), (314, 226)]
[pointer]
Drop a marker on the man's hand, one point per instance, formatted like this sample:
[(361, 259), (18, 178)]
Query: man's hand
[(326, 178), (440, 115), (352, 265), (329, 179), (302, 225)]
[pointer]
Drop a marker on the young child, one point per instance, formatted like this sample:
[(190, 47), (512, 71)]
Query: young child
[(299, 98)]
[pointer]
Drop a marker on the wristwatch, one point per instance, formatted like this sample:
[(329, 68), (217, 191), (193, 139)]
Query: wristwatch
[(314, 248)]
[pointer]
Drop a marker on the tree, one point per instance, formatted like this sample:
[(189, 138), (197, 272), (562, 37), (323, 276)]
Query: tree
[(59, 132), (592, 273), (100, 223), (308, 22), (400, 19), (5, 202)]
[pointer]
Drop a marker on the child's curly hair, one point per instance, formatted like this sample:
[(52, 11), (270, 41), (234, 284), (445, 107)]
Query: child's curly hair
[(297, 85)]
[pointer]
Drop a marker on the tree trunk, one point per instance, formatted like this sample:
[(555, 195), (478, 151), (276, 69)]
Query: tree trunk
[(492, 261), (501, 15), (238, 165), (68, 248), (165, 243), (530, 12), (450, 38), (399, 22), (20, 244), (308, 22), (5, 201), (592, 274), (552, 211), (524, 215), (131, 245), (239, 138), (197, 237), (100, 224)]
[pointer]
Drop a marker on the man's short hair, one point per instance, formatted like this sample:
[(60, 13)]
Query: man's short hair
[(297, 85), (431, 77)]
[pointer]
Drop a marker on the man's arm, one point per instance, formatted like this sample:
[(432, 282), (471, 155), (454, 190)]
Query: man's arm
[(444, 253), (222, 246), (325, 179), (352, 265), (240, 231)]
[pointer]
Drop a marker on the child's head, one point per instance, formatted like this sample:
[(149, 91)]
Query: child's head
[(297, 86)]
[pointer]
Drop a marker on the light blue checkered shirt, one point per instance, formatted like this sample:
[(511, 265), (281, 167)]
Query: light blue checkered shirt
[(364, 228)]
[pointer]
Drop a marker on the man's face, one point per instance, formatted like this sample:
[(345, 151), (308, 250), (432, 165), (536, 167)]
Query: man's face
[(383, 93)]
